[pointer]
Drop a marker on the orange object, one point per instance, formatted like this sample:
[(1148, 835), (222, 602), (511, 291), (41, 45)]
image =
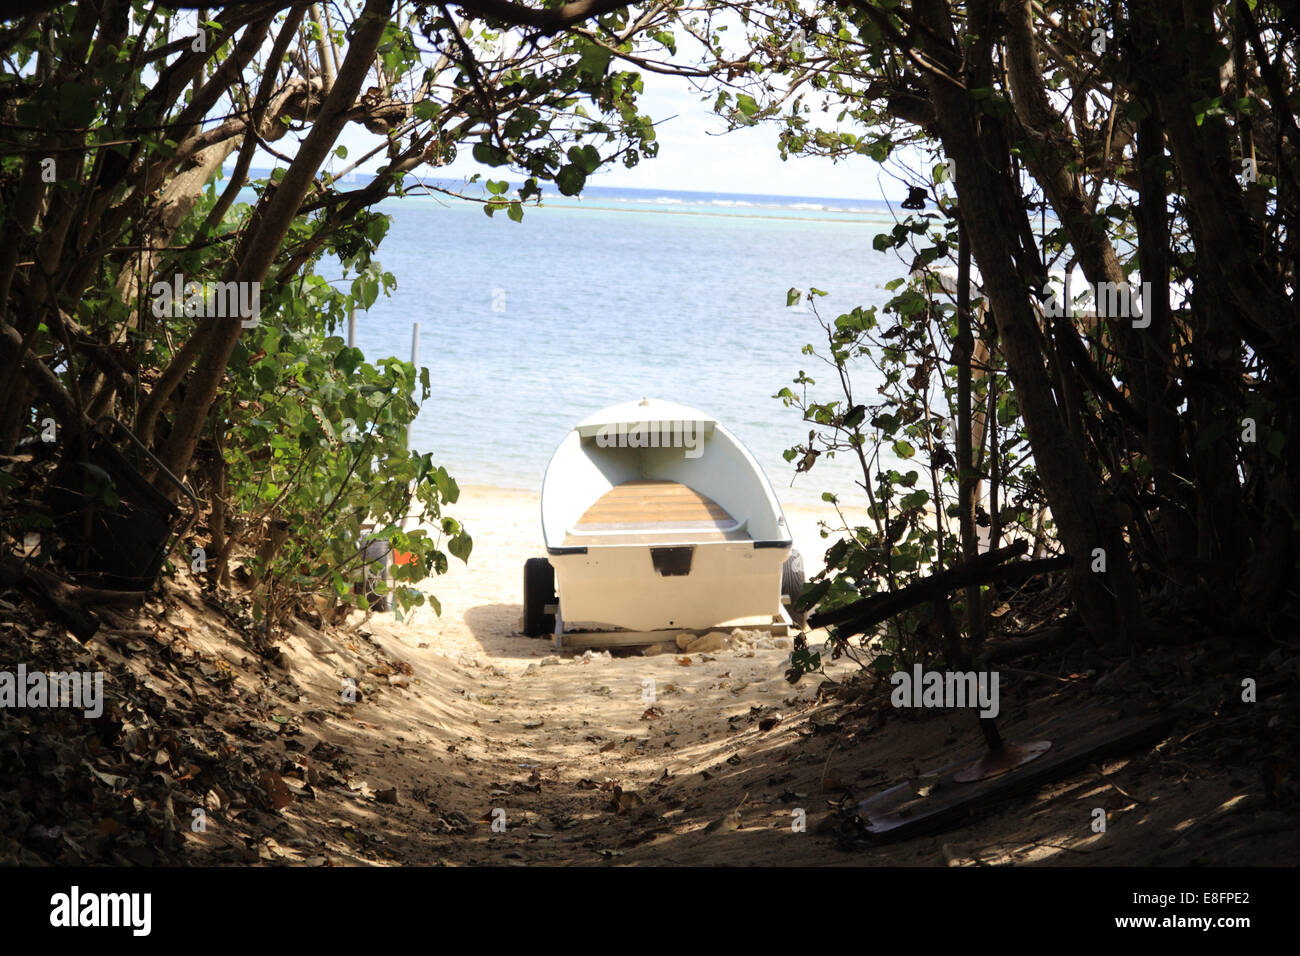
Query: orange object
[(403, 557)]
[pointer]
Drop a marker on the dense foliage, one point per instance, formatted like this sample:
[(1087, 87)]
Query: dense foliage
[(1137, 143), (1134, 141), (127, 154)]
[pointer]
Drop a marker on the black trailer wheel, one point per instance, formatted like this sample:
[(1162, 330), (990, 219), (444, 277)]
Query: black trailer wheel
[(792, 582), (539, 594)]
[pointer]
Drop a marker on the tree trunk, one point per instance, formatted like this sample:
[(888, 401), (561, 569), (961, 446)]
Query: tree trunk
[(270, 225), (990, 203)]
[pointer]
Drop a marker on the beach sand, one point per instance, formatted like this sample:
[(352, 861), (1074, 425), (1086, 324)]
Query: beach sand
[(490, 720), (466, 743)]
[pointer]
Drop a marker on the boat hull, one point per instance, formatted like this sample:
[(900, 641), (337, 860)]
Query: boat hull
[(643, 587)]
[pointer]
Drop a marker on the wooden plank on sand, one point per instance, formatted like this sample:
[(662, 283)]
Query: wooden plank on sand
[(936, 802)]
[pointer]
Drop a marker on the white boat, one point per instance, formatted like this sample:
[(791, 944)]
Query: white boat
[(656, 520)]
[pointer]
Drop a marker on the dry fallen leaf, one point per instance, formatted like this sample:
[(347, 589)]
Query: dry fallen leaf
[(725, 824), (625, 800), (276, 789)]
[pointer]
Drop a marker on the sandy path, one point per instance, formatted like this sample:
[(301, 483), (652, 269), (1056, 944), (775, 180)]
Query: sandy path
[(462, 742), (471, 744), (581, 722), (466, 743), (544, 738)]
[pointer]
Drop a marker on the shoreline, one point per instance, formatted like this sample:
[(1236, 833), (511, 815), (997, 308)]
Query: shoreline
[(640, 206)]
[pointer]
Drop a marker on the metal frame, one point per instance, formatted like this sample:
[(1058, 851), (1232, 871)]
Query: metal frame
[(579, 640), (104, 426)]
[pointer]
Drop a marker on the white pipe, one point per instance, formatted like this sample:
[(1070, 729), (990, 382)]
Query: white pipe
[(415, 361)]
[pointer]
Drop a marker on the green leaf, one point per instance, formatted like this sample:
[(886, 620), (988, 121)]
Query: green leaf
[(460, 546), (811, 595), (593, 60), (489, 155), (347, 359), (426, 110), (77, 103), (570, 180), (586, 158), (917, 499)]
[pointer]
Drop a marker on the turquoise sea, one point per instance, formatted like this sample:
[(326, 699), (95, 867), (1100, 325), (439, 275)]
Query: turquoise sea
[(528, 327)]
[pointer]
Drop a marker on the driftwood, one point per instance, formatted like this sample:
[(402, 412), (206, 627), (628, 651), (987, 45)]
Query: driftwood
[(935, 802), (63, 600), (1045, 638), (987, 568)]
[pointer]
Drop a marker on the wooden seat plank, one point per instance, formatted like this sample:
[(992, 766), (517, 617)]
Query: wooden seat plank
[(634, 512), (648, 502)]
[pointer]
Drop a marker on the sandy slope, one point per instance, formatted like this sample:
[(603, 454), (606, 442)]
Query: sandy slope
[(578, 723), (458, 722), (631, 759)]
